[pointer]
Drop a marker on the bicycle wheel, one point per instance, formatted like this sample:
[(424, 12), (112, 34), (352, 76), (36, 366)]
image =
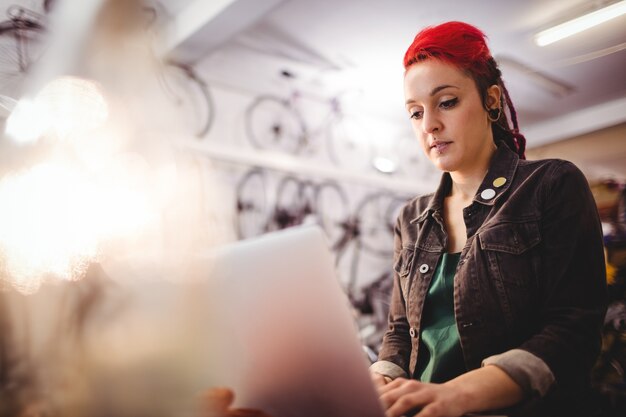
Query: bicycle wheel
[(348, 143), (251, 204), (21, 46), (189, 96), (272, 124), (374, 240), (331, 209), (293, 202), (375, 233)]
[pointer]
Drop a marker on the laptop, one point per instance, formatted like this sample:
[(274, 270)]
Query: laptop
[(283, 331)]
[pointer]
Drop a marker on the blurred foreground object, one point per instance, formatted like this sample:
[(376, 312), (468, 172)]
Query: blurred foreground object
[(97, 348), (217, 403), (103, 224), (91, 168)]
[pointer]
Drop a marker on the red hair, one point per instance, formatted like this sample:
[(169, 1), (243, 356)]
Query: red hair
[(465, 47)]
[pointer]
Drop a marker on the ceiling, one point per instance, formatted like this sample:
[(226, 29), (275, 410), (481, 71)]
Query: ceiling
[(566, 89), (337, 44)]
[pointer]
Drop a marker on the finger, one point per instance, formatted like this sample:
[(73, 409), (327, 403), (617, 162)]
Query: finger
[(392, 385), (381, 382), (432, 410), (410, 403), (217, 400), (407, 387)]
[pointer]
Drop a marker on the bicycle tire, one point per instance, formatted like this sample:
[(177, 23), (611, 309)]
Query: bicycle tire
[(190, 97), (331, 209), (376, 216), (272, 124), (292, 205), (375, 235), (251, 204)]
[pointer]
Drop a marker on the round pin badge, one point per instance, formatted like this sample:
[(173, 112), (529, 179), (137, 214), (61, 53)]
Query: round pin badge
[(499, 182), (487, 194)]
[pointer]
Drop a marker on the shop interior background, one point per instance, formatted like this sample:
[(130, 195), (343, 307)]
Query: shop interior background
[(291, 112)]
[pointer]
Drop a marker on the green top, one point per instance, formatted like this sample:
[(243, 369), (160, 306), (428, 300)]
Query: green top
[(440, 356)]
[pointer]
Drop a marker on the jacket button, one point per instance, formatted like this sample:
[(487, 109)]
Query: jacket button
[(412, 332), (487, 194), (423, 268)]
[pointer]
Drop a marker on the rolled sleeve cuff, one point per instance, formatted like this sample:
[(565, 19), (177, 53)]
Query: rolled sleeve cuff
[(527, 370), (388, 369)]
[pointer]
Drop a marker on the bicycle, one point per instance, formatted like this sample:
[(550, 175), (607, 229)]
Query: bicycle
[(272, 123), (21, 45), (190, 96), (368, 237), (371, 230), (300, 201), (187, 92), (276, 123), (296, 201)]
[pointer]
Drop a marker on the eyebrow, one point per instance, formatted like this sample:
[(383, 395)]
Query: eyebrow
[(434, 91)]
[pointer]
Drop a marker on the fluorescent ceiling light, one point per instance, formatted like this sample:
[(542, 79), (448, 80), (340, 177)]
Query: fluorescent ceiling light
[(581, 23)]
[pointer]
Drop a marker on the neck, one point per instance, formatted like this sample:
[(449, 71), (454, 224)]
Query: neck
[(465, 182), (465, 187)]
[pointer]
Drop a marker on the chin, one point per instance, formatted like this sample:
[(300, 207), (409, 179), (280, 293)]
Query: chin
[(445, 164)]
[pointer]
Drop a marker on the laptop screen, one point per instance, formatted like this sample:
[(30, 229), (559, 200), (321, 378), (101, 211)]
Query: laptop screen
[(285, 337)]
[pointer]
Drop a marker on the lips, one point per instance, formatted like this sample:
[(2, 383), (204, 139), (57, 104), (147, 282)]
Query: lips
[(440, 146)]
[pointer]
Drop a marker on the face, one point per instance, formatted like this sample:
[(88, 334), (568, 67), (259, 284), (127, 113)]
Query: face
[(448, 116)]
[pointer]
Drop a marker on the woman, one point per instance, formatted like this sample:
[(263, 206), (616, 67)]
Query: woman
[(499, 289)]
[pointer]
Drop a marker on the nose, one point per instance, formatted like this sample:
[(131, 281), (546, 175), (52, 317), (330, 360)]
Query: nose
[(430, 122)]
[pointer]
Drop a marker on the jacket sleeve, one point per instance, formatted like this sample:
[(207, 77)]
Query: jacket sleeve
[(572, 290), (393, 359)]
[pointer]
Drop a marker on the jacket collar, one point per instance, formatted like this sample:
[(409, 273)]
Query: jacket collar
[(499, 177), (497, 180), (435, 204)]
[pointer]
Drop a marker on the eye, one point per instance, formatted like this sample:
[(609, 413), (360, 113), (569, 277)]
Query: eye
[(416, 114), (448, 104)]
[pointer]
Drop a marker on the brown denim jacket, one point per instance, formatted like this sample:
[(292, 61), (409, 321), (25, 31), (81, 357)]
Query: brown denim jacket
[(530, 287)]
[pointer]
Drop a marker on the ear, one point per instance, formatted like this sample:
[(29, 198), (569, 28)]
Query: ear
[(492, 99)]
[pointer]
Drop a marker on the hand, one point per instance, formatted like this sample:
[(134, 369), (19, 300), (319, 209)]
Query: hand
[(413, 398), (217, 402), (379, 380)]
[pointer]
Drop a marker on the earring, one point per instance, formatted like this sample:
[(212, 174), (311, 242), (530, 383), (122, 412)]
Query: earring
[(494, 114)]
